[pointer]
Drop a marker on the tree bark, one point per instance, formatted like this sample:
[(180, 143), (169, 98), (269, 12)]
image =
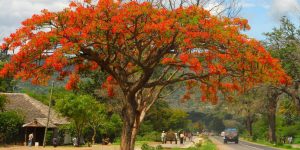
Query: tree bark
[(129, 132), (94, 135), (79, 133), (272, 106), (249, 123), (132, 119), (272, 126)]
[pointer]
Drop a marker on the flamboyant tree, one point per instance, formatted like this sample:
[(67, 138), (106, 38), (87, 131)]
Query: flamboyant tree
[(143, 49)]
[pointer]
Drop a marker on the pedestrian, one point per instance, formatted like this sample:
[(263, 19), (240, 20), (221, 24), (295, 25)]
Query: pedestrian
[(176, 136), (30, 138), (163, 137), (54, 141), (190, 136), (181, 136), (290, 140), (75, 143)]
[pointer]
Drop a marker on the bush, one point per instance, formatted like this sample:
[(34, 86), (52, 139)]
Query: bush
[(297, 140), (151, 136), (10, 124), (145, 146)]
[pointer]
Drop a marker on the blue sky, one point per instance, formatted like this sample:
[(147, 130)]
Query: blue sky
[(262, 15)]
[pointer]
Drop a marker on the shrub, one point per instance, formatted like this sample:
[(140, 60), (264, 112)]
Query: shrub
[(10, 123), (151, 136), (145, 146)]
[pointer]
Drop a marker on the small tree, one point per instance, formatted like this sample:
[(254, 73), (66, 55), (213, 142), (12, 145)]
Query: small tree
[(144, 49), (98, 119), (78, 109)]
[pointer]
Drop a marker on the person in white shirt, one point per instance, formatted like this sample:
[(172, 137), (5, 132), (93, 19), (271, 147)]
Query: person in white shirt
[(163, 137)]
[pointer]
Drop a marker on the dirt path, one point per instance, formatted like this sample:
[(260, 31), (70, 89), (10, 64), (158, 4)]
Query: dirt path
[(220, 145), (96, 147)]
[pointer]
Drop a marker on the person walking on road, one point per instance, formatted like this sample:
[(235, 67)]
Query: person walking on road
[(54, 141), (181, 136), (176, 137), (163, 137)]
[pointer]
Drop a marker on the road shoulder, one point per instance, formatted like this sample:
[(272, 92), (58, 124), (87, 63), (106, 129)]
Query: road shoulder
[(220, 145)]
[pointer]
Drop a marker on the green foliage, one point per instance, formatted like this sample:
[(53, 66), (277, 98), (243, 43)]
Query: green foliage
[(10, 124), (44, 98), (3, 101), (284, 44), (145, 146), (178, 119), (150, 136), (78, 108), (260, 129), (112, 127), (161, 117), (6, 84)]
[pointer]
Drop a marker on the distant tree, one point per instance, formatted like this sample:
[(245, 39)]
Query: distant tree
[(143, 49), (284, 44), (248, 106), (178, 119)]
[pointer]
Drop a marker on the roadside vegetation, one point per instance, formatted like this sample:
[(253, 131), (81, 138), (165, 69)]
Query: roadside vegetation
[(231, 80)]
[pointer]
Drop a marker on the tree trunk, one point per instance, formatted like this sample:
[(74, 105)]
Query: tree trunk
[(79, 133), (78, 140), (249, 122), (272, 126), (272, 106), (128, 137), (250, 128), (132, 119), (94, 135)]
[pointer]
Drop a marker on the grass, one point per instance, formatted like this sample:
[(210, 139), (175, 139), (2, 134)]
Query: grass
[(207, 145), (137, 143), (264, 142)]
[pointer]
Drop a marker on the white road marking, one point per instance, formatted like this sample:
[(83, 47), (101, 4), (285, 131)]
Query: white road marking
[(252, 147)]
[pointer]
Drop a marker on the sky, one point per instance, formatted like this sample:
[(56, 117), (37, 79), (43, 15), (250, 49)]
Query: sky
[(263, 15)]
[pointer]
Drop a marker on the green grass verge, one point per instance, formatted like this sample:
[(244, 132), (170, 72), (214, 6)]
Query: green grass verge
[(137, 143), (207, 145), (263, 142)]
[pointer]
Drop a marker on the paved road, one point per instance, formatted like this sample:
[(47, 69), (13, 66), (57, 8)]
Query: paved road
[(241, 146)]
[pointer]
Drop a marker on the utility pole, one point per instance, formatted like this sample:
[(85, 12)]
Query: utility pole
[(48, 118)]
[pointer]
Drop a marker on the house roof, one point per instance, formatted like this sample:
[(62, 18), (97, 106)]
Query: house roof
[(32, 109), (39, 122)]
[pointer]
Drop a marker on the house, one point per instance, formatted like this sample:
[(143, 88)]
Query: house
[(35, 116)]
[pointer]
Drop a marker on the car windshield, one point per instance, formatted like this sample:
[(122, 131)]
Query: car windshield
[(231, 131)]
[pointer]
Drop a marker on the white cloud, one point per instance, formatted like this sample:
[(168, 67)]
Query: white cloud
[(246, 4), (215, 7), (281, 8), (13, 12)]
